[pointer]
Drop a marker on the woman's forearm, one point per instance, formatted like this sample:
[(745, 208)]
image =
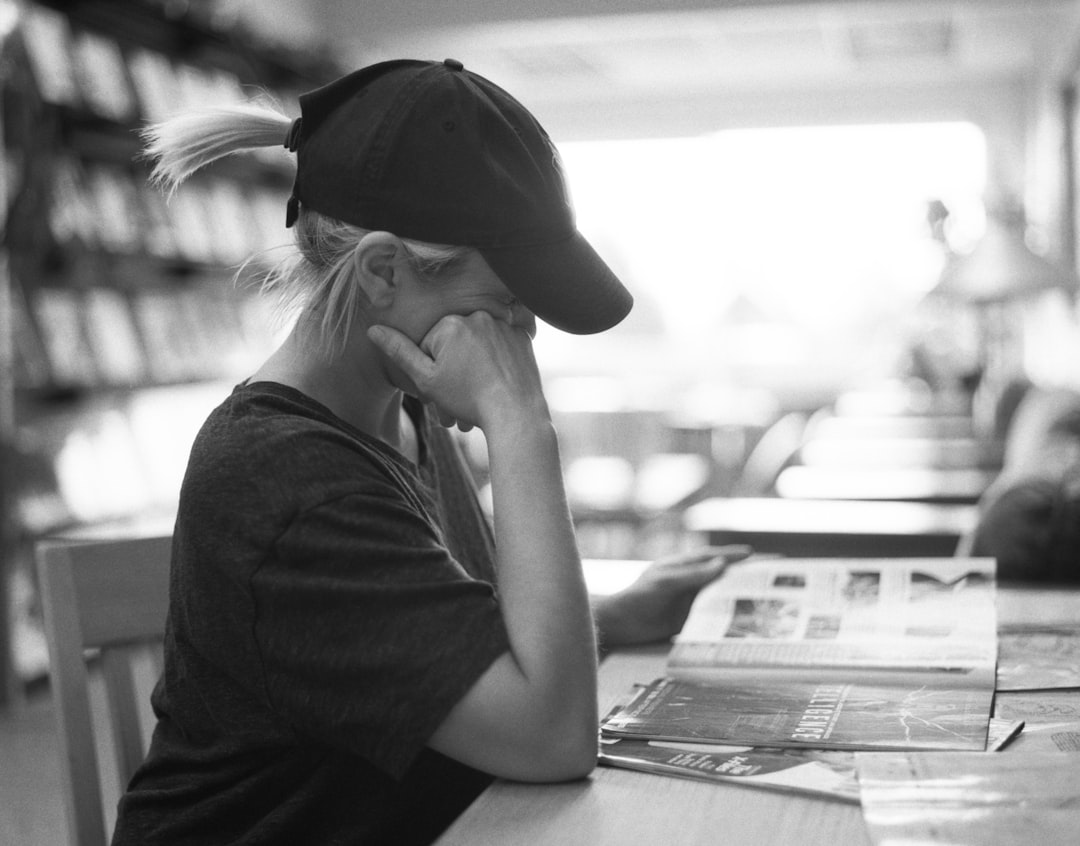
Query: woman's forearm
[(532, 716), (542, 589)]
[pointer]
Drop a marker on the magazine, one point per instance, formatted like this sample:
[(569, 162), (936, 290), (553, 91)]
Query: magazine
[(887, 654), (899, 713), (817, 772), (793, 617), (814, 772)]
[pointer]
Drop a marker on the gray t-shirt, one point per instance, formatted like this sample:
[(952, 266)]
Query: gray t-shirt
[(330, 602)]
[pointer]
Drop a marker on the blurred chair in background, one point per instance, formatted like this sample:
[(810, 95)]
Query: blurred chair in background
[(775, 450)]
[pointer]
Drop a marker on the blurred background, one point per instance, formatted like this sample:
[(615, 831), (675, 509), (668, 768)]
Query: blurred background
[(839, 219)]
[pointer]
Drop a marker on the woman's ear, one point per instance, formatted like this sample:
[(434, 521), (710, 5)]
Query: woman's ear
[(376, 264)]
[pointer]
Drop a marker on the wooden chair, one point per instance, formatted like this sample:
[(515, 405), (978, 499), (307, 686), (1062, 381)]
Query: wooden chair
[(777, 448), (104, 600)]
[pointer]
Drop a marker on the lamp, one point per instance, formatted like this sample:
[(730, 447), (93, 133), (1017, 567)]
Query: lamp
[(1002, 267), (994, 282)]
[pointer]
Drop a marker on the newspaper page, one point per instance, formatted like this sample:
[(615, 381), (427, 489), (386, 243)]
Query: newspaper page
[(970, 799), (1051, 719), (1038, 657), (795, 615)]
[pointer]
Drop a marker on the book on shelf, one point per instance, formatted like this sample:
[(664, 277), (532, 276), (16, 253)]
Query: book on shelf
[(114, 201), (231, 239), (102, 76), (157, 89), (200, 86), (190, 210), (830, 654), (72, 216), (110, 329), (159, 236), (47, 37), (828, 774), (31, 362), (59, 314), (174, 347)]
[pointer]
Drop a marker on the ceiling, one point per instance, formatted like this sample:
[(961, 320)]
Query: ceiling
[(596, 63)]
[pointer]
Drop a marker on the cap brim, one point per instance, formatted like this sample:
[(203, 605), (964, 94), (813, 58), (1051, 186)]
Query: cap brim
[(565, 284)]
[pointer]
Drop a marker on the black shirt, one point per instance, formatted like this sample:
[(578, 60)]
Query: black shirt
[(330, 602)]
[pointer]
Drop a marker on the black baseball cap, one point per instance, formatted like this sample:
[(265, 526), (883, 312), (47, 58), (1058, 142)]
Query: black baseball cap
[(433, 152)]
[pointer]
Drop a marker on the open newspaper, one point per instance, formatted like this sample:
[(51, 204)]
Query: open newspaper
[(830, 654)]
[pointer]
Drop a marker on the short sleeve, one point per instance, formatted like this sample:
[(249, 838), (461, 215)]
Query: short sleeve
[(369, 631)]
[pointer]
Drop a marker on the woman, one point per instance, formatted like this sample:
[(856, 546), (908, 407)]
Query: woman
[(350, 655)]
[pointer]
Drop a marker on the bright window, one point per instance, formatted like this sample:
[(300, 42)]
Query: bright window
[(772, 253)]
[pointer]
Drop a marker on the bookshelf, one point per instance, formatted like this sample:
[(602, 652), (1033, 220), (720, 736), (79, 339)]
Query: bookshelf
[(114, 300)]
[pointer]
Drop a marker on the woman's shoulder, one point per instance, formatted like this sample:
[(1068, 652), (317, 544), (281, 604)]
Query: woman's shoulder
[(267, 414), (266, 431)]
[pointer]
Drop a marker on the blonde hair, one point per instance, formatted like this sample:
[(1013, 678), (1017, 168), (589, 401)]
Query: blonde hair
[(316, 277)]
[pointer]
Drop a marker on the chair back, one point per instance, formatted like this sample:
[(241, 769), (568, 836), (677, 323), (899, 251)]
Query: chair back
[(104, 601)]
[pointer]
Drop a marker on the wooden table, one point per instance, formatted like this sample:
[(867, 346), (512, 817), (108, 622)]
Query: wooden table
[(835, 528), (902, 452), (912, 484), (854, 426), (624, 808)]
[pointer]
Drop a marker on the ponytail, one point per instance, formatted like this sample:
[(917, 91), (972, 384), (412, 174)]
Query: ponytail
[(188, 142)]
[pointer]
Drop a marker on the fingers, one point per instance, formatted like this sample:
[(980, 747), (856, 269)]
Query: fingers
[(706, 555), (694, 570), (699, 574), (414, 362), (734, 552), (447, 420), (400, 349)]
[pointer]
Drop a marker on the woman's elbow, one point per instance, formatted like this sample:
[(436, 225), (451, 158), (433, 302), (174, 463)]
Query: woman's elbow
[(568, 743), (568, 760)]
